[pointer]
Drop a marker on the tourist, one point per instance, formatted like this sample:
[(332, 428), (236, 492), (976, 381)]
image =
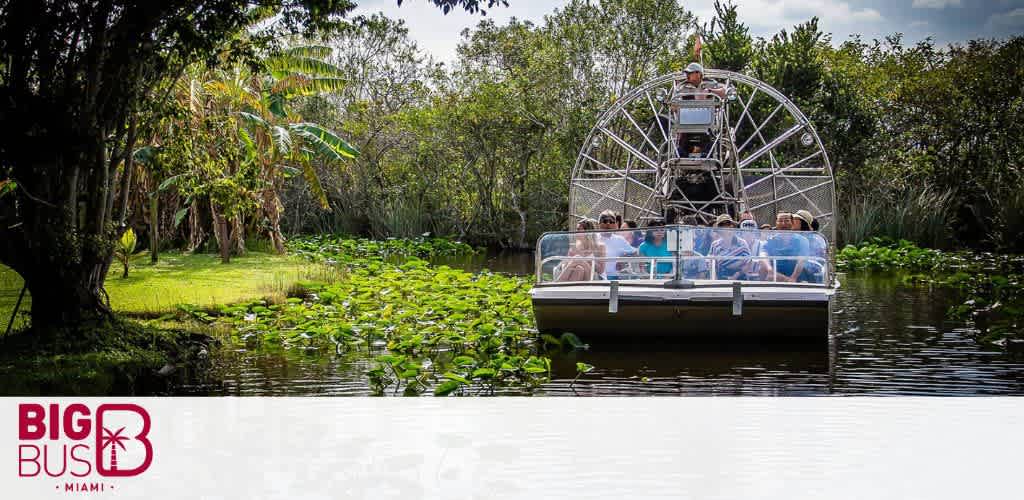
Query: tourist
[(787, 245), (634, 237), (695, 242), (729, 244), (656, 245), (814, 270), (752, 237), (585, 245), (614, 245)]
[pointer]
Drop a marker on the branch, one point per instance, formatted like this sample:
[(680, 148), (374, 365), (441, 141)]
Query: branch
[(21, 186)]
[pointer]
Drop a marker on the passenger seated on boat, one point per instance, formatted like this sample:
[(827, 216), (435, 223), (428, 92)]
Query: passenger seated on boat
[(693, 238), (584, 245), (752, 237), (789, 246), (634, 236), (729, 244), (814, 270), (655, 245), (614, 244)]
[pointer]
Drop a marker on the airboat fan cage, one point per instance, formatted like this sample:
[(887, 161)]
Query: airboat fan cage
[(755, 150)]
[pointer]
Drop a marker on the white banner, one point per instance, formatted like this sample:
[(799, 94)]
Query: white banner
[(821, 448)]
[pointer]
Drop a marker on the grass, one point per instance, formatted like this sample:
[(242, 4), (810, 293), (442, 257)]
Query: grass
[(925, 218), (195, 279)]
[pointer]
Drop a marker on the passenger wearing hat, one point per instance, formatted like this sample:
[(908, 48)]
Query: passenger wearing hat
[(804, 221), (729, 244)]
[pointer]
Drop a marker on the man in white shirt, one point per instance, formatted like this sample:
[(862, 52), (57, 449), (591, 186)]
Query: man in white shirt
[(614, 245)]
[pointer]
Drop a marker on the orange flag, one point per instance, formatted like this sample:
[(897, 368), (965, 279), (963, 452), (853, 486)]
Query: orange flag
[(696, 48)]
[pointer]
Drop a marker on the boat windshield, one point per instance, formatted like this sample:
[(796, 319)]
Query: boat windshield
[(684, 252)]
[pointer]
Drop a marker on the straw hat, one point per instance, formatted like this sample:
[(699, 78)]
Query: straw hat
[(805, 216), (724, 218)]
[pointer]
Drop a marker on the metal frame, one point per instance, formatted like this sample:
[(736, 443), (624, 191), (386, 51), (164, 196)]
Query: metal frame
[(658, 138)]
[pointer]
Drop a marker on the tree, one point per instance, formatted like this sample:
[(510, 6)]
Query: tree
[(728, 42), (75, 75)]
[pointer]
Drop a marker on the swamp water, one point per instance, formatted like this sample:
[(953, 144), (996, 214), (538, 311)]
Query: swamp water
[(886, 339)]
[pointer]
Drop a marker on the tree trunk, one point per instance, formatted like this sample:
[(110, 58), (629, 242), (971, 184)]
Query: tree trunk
[(220, 230), (65, 295), (196, 234), (238, 235), (272, 209), (154, 228)]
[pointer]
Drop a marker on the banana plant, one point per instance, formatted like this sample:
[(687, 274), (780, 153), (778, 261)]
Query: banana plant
[(274, 136), (124, 249)]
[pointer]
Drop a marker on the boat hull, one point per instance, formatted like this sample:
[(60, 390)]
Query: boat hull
[(708, 312)]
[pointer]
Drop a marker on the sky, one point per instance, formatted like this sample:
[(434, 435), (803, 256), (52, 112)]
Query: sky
[(945, 21)]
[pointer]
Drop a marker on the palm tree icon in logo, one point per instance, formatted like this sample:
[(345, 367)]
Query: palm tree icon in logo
[(113, 439)]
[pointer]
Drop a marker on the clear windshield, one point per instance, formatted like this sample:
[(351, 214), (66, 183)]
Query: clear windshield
[(684, 252)]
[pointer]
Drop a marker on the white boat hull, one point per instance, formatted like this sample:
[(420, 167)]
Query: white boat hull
[(708, 309)]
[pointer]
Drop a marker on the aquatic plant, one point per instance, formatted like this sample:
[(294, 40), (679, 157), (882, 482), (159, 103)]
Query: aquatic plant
[(991, 285), (427, 328), (339, 248), (880, 254)]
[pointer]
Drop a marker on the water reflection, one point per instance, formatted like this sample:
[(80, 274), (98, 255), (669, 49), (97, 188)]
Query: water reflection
[(885, 339)]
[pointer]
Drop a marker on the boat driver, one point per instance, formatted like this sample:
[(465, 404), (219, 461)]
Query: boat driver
[(695, 79), (695, 145)]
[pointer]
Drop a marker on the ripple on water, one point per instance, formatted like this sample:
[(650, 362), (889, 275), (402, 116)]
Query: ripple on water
[(886, 340)]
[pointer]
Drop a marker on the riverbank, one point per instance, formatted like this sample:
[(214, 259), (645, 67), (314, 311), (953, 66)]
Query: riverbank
[(150, 341)]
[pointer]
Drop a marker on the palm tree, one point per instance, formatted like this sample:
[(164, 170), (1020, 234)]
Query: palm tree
[(113, 439), (274, 136)]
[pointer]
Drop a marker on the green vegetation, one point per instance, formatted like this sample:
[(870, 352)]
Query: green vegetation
[(991, 285), (153, 290), (428, 328)]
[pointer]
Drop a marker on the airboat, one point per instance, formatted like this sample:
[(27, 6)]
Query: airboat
[(668, 150)]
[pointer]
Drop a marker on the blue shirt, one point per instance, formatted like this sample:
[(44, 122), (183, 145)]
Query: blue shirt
[(649, 249), (777, 246)]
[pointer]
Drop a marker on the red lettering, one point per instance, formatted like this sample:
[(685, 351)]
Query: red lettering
[(22, 459), (77, 429), (63, 460), (30, 422), (54, 428), (80, 460)]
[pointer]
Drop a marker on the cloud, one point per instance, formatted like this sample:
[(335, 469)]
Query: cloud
[(919, 24), (1007, 21), (766, 17), (935, 4)]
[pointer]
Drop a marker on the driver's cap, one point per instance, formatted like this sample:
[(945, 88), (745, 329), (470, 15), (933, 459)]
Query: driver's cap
[(694, 68)]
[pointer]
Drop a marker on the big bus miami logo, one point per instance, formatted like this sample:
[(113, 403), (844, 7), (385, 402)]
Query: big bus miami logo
[(74, 445)]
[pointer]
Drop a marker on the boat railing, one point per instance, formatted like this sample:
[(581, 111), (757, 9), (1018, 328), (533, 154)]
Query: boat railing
[(684, 252), (709, 271)]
